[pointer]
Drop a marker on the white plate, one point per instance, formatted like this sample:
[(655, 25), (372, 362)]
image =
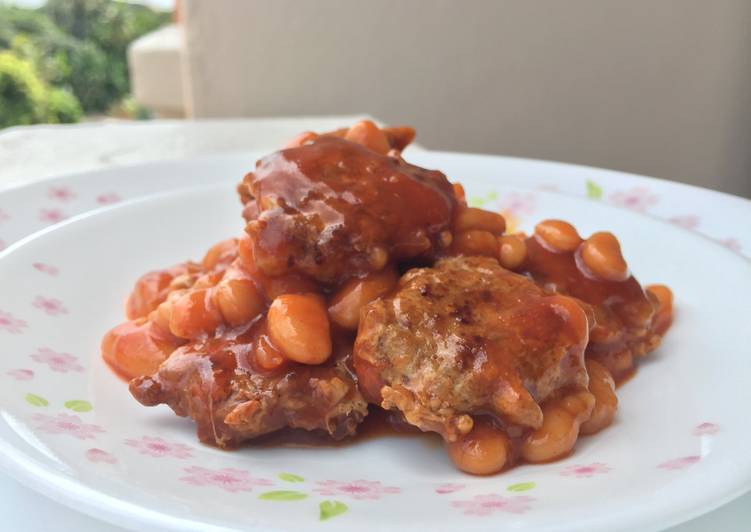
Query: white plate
[(29, 208), (70, 429)]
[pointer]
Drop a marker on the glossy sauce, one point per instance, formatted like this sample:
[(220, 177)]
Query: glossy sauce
[(327, 214), (334, 209), (378, 423), (621, 311)]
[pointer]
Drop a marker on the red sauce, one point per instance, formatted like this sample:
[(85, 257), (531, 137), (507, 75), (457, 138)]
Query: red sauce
[(334, 209), (319, 214), (377, 424), (620, 311)]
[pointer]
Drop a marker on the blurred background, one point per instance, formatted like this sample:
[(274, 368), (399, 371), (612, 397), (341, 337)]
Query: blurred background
[(657, 88)]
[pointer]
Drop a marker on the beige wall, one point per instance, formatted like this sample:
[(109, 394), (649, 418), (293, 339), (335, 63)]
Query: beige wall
[(656, 87)]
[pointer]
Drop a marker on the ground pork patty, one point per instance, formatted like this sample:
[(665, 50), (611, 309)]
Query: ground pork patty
[(468, 337), (218, 384), (333, 209)]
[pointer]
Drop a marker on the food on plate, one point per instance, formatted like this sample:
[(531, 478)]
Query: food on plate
[(468, 338), (334, 209), (625, 324), (363, 283), (239, 386)]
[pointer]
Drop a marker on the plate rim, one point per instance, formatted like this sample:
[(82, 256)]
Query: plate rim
[(90, 500)]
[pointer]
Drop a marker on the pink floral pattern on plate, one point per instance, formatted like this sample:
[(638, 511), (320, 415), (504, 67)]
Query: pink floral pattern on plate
[(108, 198), (52, 215), (21, 374), (4, 216), (61, 193), (519, 205), (66, 424), (158, 448), (98, 456), (3, 245), (687, 221), (706, 428), (50, 305), (733, 244), (357, 489), (482, 505), (449, 488), (638, 198), (10, 323), (586, 471), (679, 463), (46, 268), (228, 479), (60, 362)]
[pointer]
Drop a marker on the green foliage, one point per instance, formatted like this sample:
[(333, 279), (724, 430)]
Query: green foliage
[(62, 107), (129, 109), (21, 92), (27, 99), (69, 57), (99, 74)]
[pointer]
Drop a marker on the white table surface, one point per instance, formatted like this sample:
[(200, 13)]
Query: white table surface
[(31, 153)]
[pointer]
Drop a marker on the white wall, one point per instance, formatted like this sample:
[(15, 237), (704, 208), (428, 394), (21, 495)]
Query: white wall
[(659, 87)]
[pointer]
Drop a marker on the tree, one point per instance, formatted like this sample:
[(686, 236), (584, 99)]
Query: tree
[(107, 28), (21, 92), (27, 99), (76, 51)]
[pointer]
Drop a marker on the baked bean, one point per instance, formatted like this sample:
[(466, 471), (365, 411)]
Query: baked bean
[(274, 287), (152, 288), (223, 252), (208, 280), (663, 297), (512, 251), (483, 451), (340, 133), (181, 282), (299, 327), (267, 356), (459, 193), (245, 252), (601, 254), (238, 300), (557, 235), (301, 140), (137, 348), (399, 136), (344, 308), (445, 238), (162, 314), (602, 386), (369, 135), (472, 218), (271, 287), (194, 313), (415, 244), (378, 257), (560, 427), (475, 242)]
